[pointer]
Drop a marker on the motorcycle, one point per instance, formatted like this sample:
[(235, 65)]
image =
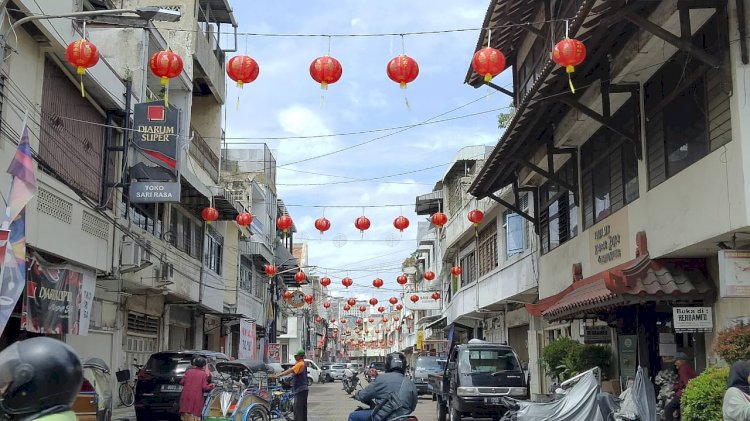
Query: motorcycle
[(381, 403), (325, 378), (350, 383)]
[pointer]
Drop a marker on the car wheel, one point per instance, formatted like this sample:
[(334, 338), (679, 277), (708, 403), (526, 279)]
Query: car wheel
[(442, 412), (455, 415), (309, 381)]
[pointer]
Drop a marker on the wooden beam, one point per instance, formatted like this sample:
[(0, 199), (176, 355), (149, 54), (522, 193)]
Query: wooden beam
[(742, 24), (698, 4), (528, 27), (606, 122), (515, 209), (546, 174), (682, 44), (499, 89)]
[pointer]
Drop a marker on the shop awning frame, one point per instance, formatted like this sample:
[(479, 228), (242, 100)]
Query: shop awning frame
[(440, 323)]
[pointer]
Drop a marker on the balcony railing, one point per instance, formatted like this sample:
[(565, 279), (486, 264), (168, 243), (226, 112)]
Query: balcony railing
[(206, 158), (210, 59)]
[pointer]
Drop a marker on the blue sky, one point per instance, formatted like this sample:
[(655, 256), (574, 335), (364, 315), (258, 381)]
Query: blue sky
[(285, 101)]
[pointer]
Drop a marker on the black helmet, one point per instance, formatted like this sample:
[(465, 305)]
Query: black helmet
[(38, 374), (395, 361)]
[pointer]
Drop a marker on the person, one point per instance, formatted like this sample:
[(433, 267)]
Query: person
[(372, 373), (194, 384), (685, 373), (736, 406), (300, 389), (348, 377), (392, 383), (39, 380)]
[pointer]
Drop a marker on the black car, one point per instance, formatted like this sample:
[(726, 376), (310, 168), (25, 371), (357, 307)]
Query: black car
[(157, 391), (378, 365)]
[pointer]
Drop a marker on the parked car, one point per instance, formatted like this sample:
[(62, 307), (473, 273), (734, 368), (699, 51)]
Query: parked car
[(313, 369), (325, 373), (354, 367), (157, 391), (94, 401), (425, 366), (337, 371), (310, 371)]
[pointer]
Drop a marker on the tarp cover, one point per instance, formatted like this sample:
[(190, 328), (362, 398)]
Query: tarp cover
[(579, 404), (638, 401)]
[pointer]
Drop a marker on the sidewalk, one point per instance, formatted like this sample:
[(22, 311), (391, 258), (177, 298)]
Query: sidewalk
[(123, 413)]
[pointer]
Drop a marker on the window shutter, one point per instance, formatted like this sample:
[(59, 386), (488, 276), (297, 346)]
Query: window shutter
[(615, 180), (655, 150), (719, 113)]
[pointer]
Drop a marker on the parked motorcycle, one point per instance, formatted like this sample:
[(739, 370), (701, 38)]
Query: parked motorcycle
[(350, 383)]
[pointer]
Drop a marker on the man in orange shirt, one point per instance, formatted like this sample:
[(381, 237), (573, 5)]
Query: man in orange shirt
[(299, 385)]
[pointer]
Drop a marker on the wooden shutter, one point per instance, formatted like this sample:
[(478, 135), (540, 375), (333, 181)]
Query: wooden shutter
[(719, 112)]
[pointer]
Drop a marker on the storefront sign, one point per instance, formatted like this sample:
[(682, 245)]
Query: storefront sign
[(627, 352), (596, 335), (609, 242), (692, 319), (154, 192), (420, 340), (426, 302), (156, 130), (247, 340), (274, 352), (734, 273)]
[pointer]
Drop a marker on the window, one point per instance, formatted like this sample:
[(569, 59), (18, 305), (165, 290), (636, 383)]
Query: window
[(515, 229), (214, 252), (468, 265), (146, 216), (558, 212), (185, 233), (487, 248), (246, 278), (609, 168)]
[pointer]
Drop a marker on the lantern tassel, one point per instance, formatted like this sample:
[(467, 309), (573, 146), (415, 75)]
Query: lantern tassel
[(81, 71), (488, 77), (165, 83), (570, 70)]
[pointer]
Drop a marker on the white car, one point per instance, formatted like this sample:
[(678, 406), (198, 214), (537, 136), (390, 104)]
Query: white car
[(313, 370)]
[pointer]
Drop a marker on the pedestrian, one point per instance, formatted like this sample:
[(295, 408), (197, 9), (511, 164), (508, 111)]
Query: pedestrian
[(685, 373), (736, 405), (300, 388), (194, 385), (39, 380)]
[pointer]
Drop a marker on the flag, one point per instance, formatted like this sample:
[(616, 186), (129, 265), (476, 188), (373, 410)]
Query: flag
[(13, 243)]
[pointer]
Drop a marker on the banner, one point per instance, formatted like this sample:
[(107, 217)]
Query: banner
[(420, 340), (274, 353), (247, 340), (156, 129), (58, 299)]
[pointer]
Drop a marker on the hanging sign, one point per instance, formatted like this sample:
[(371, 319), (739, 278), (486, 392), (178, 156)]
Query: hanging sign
[(425, 302), (596, 335), (609, 242), (155, 132), (734, 273), (154, 192), (247, 340), (692, 319), (420, 340)]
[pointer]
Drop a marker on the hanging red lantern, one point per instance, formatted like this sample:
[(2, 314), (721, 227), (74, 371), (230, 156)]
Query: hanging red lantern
[(377, 283), (166, 65), (362, 308), (347, 307), (347, 282), (284, 222), (371, 320), (244, 219), (396, 318), (287, 295), (82, 54), (435, 295), (384, 319), (409, 316), (362, 223), (325, 70), (242, 69), (401, 223), (569, 53), (325, 281), (352, 302), (270, 270), (381, 309), (402, 279), (210, 214), (322, 224), (429, 275), (377, 331), (488, 62), (439, 219), (318, 319), (398, 328), (343, 321), (373, 301), (359, 322), (475, 217), (456, 270), (300, 277), (414, 298), (333, 320), (399, 307), (327, 304), (393, 300), (402, 70)]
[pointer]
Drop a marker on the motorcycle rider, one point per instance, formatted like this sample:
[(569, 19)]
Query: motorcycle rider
[(348, 378), (392, 383), (39, 380)]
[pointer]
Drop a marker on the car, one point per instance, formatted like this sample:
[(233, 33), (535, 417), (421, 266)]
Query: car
[(157, 391), (425, 366), (337, 371), (325, 372), (355, 367), (378, 365)]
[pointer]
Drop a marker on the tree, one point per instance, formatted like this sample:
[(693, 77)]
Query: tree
[(503, 119)]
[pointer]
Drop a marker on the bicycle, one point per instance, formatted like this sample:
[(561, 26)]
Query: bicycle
[(127, 388), (282, 400)]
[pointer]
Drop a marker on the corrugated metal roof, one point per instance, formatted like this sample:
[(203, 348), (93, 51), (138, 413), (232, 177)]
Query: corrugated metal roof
[(220, 11)]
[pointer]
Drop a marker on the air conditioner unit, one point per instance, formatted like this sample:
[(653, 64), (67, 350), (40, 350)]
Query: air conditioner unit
[(131, 255), (164, 272)]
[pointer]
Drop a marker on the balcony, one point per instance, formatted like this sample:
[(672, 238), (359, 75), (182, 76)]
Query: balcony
[(204, 156), (255, 248), (208, 76)]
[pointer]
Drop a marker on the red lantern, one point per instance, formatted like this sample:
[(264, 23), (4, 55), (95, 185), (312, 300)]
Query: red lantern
[(343, 321), (377, 331), (439, 219), (569, 53), (325, 281), (352, 302), (402, 70), (166, 65), (377, 283), (373, 301), (475, 217), (429, 275), (409, 316), (333, 320), (242, 69), (402, 279), (488, 62), (347, 282), (284, 222), (385, 319), (362, 308), (244, 219), (371, 320), (414, 298), (82, 54), (399, 307), (287, 295), (322, 224), (381, 309), (396, 318), (362, 223), (270, 270), (393, 300), (359, 322), (327, 304), (210, 214), (347, 307), (300, 277), (318, 319), (401, 223), (435, 295), (325, 70), (456, 270)]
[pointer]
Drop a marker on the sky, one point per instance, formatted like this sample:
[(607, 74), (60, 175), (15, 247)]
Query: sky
[(285, 102)]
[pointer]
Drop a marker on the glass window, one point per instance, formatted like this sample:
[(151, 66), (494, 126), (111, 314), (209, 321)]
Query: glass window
[(514, 234), (487, 361)]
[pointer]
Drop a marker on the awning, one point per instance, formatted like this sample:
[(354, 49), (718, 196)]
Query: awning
[(641, 280), (428, 319), (429, 203), (440, 323)]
